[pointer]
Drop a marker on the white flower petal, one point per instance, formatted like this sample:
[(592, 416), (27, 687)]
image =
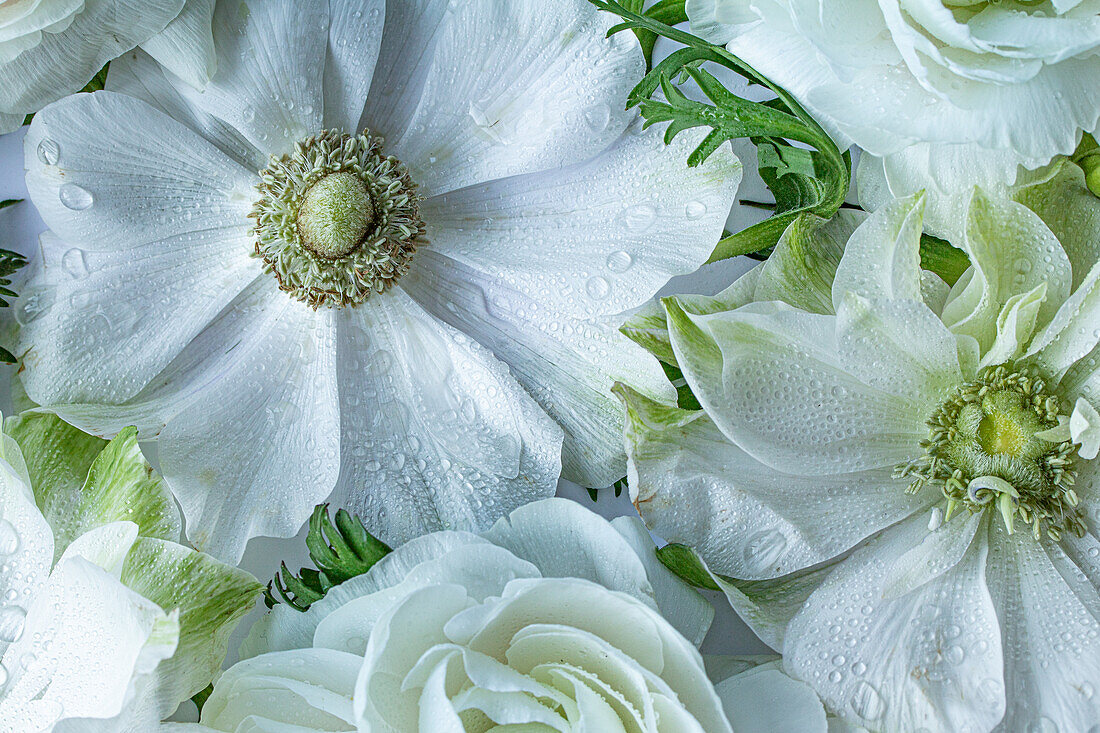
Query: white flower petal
[(435, 432), (186, 45), (712, 19), (531, 99), (275, 410), (63, 62), (1049, 614), (882, 257), (773, 381), (567, 365), (1011, 251), (1084, 428), (355, 36), (746, 520), (930, 658), (10, 123), (1015, 325), (595, 238), (269, 82), (768, 700), (1072, 334), (27, 543)]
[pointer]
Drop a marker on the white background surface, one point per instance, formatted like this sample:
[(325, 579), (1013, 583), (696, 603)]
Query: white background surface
[(19, 230)]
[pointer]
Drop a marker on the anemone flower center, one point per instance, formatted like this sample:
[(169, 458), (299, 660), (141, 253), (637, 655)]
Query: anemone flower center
[(337, 220), (995, 444)]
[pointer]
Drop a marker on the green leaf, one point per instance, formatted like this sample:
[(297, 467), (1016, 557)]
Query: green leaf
[(9, 202), (340, 551), (686, 565), (1087, 156), (938, 256)]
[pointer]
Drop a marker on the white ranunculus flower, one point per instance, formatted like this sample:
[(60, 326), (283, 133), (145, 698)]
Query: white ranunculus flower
[(890, 467), (554, 620), (50, 48), (106, 623), (941, 94), (414, 332)]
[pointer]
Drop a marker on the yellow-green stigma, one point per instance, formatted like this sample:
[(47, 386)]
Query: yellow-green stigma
[(337, 220), (990, 446)]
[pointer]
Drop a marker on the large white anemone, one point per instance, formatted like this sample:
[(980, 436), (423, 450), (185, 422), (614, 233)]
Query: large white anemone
[(410, 304), (901, 475), (106, 623), (50, 48), (941, 94), (553, 621)]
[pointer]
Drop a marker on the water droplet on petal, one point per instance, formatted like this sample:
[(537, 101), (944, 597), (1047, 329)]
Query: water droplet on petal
[(695, 209), (74, 197), (74, 263), (49, 152), (12, 619), (619, 261), (598, 288), (9, 538), (867, 702), (765, 548), (640, 218)]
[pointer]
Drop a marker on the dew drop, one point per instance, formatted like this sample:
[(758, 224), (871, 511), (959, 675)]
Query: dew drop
[(598, 288), (12, 619), (49, 152), (639, 218), (74, 263), (765, 548), (619, 261), (695, 209), (598, 117), (9, 538), (867, 702), (74, 197)]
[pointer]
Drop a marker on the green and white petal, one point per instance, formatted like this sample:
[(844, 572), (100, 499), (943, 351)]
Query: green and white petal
[(766, 699), (693, 486), (1015, 326), (1011, 252), (63, 62), (774, 382), (210, 598), (1072, 334), (531, 101), (930, 658), (802, 268), (186, 45), (882, 258), (1050, 625), (436, 434)]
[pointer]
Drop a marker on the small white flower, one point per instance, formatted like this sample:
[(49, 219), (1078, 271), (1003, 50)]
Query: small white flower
[(553, 620), (413, 332), (885, 464), (106, 623), (50, 48), (942, 95)]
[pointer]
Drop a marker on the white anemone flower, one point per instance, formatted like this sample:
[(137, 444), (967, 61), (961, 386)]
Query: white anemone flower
[(941, 94), (896, 481), (50, 48), (106, 623), (554, 620), (414, 324)]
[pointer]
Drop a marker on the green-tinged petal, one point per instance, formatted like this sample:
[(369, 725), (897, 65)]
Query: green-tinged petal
[(1015, 325), (1012, 252), (693, 486), (81, 481), (801, 269), (1073, 332), (211, 598), (648, 326), (768, 606), (1071, 211), (882, 257)]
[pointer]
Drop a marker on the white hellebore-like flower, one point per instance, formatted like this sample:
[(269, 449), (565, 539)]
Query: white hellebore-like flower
[(895, 480), (106, 623), (50, 48), (552, 621), (412, 323), (941, 94)]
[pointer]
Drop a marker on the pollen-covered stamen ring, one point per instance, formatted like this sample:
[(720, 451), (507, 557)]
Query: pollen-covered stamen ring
[(989, 447), (337, 220)]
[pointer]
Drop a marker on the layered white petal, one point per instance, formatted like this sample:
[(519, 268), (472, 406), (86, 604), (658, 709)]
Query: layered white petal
[(531, 98), (28, 550), (186, 46), (435, 432), (355, 37), (765, 699), (882, 257)]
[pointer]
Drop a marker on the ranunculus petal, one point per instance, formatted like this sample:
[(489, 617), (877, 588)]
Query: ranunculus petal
[(433, 425), (277, 407), (186, 45), (693, 486), (532, 99), (930, 658)]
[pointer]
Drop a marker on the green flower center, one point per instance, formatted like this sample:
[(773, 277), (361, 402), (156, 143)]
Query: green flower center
[(994, 445), (337, 220)]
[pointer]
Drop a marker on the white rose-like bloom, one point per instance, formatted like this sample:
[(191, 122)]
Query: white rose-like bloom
[(942, 94), (553, 621), (106, 623), (50, 48), (901, 476), (413, 332)]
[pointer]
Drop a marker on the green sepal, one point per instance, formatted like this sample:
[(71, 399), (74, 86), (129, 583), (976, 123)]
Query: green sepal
[(686, 565), (940, 257), (340, 550)]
